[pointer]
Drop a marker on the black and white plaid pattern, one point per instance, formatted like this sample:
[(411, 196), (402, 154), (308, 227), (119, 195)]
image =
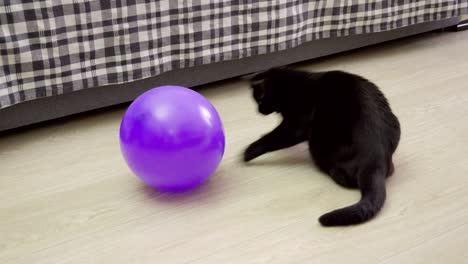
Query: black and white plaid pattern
[(50, 47)]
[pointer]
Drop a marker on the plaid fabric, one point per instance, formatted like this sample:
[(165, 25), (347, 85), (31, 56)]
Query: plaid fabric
[(50, 47)]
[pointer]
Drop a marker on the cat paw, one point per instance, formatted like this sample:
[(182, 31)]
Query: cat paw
[(252, 152)]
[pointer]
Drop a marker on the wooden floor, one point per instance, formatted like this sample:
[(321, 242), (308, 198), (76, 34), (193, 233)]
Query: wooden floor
[(66, 195)]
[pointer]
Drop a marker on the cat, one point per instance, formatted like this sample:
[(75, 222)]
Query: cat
[(348, 123)]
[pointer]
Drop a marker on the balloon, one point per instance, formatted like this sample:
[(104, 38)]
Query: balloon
[(172, 138)]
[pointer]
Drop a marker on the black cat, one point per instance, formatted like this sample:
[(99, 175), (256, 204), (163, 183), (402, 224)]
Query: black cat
[(351, 131)]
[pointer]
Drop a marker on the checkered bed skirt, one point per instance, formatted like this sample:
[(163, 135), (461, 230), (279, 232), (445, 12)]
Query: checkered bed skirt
[(51, 47)]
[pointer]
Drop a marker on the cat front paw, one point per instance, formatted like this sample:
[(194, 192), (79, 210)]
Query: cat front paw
[(252, 152)]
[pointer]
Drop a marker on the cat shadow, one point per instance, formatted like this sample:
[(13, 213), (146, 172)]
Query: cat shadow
[(206, 192), (280, 162), (294, 156), (294, 159)]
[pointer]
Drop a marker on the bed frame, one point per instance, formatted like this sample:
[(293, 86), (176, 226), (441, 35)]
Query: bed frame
[(49, 108)]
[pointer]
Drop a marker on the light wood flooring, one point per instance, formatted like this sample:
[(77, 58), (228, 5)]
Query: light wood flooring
[(67, 196)]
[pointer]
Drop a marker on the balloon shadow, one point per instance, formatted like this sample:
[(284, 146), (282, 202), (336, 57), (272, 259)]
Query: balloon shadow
[(205, 192)]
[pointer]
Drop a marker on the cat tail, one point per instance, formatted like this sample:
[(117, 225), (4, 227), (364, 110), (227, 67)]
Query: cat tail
[(373, 195)]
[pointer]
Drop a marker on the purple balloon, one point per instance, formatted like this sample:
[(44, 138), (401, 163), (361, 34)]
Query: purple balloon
[(172, 138)]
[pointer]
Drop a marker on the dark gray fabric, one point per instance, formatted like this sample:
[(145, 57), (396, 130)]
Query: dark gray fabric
[(54, 47)]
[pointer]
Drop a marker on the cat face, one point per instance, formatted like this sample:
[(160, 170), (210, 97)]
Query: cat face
[(264, 94)]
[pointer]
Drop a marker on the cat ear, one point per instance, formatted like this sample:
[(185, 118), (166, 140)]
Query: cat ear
[(285, 67), (250, 76)]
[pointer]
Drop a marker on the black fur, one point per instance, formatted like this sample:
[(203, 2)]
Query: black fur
[(351, 131)]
